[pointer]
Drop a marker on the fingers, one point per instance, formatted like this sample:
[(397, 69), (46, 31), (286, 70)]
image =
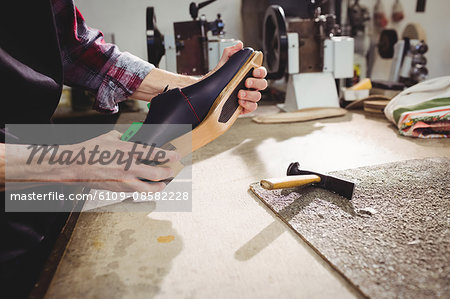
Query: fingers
[(257, 84), (247, 106), (136, 185), (229, 51), (111, 143), (148, 152), (249, 95), (141, 186), (134, 175), (151, 173), (260, 72), (129, 180), (116, 165), (248, 98), (114, 135), (136, 150)]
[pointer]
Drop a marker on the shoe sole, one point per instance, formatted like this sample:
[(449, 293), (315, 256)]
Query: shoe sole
[(211, 128)]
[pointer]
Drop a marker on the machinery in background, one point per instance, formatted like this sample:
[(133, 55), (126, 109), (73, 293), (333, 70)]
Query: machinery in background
[(357, 18), (356, 26), (155, 40), (309, 53), (408, 59), (189, 51), (409, 62)]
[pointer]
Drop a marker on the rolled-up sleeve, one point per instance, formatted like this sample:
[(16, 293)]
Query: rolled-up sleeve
[(94, 65), (121, 80)]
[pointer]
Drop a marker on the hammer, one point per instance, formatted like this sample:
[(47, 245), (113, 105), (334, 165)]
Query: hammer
[(297, 177)]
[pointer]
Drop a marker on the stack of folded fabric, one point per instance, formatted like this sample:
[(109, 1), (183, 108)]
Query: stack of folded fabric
[(422, 110)]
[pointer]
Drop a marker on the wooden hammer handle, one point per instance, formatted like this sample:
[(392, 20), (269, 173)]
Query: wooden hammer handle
[(289, 181)]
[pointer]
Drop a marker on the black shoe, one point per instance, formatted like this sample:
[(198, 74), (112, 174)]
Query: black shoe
[(209, 106)]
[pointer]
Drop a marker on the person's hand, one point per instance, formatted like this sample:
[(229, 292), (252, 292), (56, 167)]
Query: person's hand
[(125, 177), (248, 99), (104, 162)]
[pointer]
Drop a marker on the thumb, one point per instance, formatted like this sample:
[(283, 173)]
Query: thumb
[(235, 48), (228, 52)]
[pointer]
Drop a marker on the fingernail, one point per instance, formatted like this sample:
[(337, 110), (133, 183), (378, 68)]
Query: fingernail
[(257, 73), (249, 83), (243, 93)]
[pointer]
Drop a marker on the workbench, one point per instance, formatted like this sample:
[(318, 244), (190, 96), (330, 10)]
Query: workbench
[(230, 245)]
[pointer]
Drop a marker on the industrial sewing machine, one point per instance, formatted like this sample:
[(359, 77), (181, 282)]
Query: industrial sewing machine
[(408, 60), (190, 50), (309, 52)]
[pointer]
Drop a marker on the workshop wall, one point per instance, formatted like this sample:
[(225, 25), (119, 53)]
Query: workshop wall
[(436, 23), (126, 19)]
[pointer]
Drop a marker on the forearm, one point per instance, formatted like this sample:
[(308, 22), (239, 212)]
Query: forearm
[(104, 162), (20, 169), (157, 80)]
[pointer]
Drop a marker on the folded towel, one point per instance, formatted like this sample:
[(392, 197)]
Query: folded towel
[(422, 110)]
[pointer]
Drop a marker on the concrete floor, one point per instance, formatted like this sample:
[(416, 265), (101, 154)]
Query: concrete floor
[(230, 245)]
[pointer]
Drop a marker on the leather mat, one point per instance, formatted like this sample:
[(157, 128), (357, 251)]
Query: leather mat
[(391, 240)]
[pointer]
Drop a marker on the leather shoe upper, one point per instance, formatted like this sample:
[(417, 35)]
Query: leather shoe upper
[(191, 104)]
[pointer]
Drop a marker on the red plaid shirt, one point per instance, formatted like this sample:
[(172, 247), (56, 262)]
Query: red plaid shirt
[(92, 64)]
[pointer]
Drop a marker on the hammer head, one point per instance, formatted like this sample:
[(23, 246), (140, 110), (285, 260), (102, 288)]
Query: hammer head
[(336, 185)]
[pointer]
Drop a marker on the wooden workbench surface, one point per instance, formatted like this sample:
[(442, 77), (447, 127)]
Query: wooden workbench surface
[(230, 245)]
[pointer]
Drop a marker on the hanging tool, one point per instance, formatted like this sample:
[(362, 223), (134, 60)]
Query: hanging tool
[(379, 15), (397, 12)]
